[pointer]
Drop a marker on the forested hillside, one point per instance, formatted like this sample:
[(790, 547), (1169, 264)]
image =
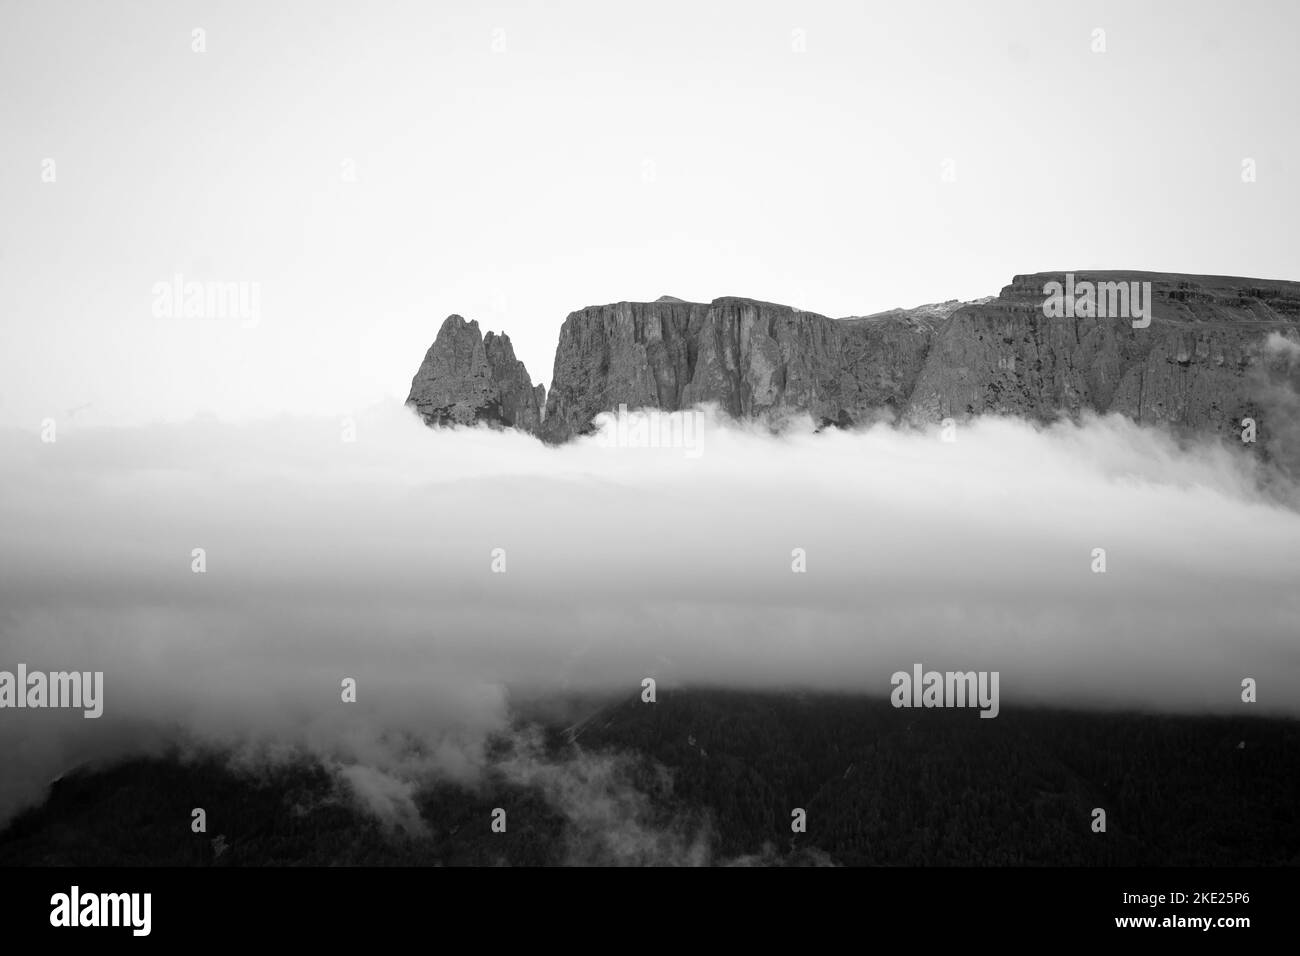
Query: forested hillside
[(713, 776)]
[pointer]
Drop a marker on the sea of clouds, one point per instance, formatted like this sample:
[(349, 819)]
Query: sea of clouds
[(373, 559)]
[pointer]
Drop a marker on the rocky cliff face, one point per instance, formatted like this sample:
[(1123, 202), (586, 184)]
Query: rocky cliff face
[(751, 358), (466, 379), (1198, 364)]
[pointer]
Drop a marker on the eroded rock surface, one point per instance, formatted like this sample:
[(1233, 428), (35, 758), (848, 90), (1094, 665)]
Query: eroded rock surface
[(466, 379), (1198, 365)]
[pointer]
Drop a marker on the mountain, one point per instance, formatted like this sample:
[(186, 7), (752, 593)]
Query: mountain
[(467, 378), (1199, 363), (751, 358)]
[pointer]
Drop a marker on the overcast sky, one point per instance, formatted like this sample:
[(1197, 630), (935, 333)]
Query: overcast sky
[(516, 161)]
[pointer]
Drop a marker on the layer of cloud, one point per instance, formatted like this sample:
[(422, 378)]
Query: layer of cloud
[(373, 559)]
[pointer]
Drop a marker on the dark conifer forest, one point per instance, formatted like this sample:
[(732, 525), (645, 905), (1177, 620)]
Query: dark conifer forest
[(714, 777)]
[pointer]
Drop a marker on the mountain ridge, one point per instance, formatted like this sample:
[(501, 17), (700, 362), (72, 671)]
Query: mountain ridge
[(1199, 365)]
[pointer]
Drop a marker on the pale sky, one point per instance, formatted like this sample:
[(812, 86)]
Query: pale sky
[(516, 161)]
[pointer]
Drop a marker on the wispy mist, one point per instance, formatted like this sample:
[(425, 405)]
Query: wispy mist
[(373, 559)]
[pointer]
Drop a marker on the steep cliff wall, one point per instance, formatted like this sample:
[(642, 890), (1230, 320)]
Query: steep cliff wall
[(751, 358), (466, 379), (1197, 364)]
